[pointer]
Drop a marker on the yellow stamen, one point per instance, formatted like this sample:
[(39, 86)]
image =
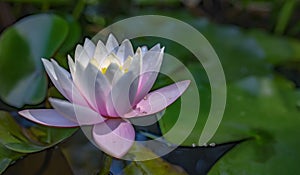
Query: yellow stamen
[(103, 70)]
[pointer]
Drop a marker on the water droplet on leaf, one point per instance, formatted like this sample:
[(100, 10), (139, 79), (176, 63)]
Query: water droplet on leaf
[(212, 144)]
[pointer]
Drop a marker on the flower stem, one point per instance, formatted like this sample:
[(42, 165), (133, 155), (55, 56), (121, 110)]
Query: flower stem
[(106, 165)]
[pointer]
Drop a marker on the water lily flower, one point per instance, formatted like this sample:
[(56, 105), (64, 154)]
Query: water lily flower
[(107, 85)]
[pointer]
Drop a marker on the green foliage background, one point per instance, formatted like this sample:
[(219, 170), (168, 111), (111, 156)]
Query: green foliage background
[(257, 43)]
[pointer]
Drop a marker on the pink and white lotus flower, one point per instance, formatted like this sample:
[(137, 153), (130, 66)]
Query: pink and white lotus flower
[(107, 84)]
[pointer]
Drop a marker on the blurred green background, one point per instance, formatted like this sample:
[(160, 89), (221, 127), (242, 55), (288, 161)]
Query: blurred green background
[(258, 43)]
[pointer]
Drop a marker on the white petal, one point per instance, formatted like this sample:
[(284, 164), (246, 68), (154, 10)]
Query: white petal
[(111, 58), (113, 73), (71, 65), (89, 47), (85, 80), (67, 86), (81, 56), (125, 50), (144, 49), (102, 88), (100, 52), (52, 75), (112, 44)]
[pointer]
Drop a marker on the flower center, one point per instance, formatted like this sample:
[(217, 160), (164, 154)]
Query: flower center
[(111, 58)]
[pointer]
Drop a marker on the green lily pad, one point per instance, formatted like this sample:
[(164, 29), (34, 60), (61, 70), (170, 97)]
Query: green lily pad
[(33, 139), (240, 54), (261, 107), (73, 36), (16, 141), (7, 157), (154, 166), (268, 114), (22, 46), (284, 48)]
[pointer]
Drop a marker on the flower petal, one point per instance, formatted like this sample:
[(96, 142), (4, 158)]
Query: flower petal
[(135, 68), (114, 136), (89, 47), (124, 88), (121, 97), (125, 50), (100, 52), (81, 56), (62, 81), (52, 75), (113, 73), (112, 44), (144, 49), (71, 65), (102, 88), (67, 85), (85, 79), (151, 64), (48, 117), (76, 113), (158, 100), (111, 58)]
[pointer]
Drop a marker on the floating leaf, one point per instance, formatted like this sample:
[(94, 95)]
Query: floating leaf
[(154, 166), (261, 107), (73, 36), (22, 46), (267, 113), (34, 139), (7, 157)]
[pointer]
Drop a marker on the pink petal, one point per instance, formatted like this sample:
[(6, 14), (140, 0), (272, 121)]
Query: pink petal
[(146, 82), (151, 64), (79, 114), (158, 100), (119, 100), (114, 136), (48, 117)]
